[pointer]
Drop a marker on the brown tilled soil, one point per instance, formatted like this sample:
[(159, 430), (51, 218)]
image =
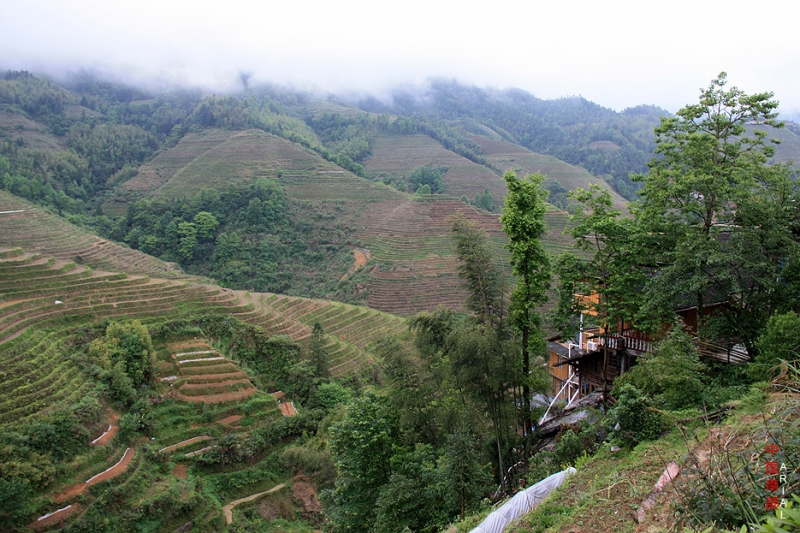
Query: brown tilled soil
[(57, 517), (228, 420), (180, 471), (218, 398), (288, 409), (184, 346), (109, 435), (80, 488)]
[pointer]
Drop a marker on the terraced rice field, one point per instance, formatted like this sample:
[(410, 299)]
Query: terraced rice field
[(400, 155), (35, 230), (222, 158), (202, 374), (351, 330), (40, 295), (509, 156)]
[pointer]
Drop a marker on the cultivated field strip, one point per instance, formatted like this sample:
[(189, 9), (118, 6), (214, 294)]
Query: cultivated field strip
[(400, 155), (40, 295), (508, 156), (36, 230)]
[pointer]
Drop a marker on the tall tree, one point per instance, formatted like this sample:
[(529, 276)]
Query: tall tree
[(706, 172), (605, 282), (478, 272), (523, 222), (362, 447), (319, 352)]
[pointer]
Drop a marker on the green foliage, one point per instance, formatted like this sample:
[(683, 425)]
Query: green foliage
[(777, 343), (137, 421), (206, 224), (318, 352), (362, 447), (329, 395), (576, 444), (14, 501), (429, 175), (705, 247), (672, 374), (785, 519), (416, 496), (477, 270), (316, 463), (523, 223), (125, 350), (466, 477), (612, 270), (484, 201), (637, 421), (252, 238), (557, 194)]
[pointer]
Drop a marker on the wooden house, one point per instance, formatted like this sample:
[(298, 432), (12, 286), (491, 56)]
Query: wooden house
[(577, 367)]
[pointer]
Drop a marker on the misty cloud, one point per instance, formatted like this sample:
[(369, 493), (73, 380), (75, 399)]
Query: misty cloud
[(618, 53)]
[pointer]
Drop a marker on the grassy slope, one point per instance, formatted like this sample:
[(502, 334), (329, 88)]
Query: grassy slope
[(607, 490), (509, 156)]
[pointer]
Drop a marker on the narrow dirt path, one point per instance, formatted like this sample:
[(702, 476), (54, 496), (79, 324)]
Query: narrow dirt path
[(228, 509), (109, 473), (228, 420), (287, 408), (55, 516), (108, 434), (181, 444)]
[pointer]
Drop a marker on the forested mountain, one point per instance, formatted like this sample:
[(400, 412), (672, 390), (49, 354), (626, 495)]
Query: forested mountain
[(575, 130), (273, 189)]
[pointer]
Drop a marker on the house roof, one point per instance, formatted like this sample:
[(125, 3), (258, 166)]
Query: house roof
[(564, 351)]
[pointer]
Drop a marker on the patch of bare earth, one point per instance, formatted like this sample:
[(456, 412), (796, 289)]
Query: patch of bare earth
[(181, 471), (306, 495), (228, 420)]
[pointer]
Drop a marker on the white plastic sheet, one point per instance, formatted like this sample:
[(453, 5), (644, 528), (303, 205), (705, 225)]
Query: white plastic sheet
[(521, 503)]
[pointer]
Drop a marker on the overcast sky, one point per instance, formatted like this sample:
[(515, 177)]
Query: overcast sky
[(613, 52)]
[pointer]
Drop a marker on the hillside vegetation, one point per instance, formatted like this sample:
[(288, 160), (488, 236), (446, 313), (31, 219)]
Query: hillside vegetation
[(96, 151)]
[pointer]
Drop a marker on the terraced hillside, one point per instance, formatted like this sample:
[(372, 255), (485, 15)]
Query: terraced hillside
[(198, 425), (398, 155), (788, 150), (514, 157), (39, 295), (411, 243), (222, 158), (200, 373), (34, 229)]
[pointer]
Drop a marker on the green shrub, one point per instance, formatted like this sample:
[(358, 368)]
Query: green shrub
[(637, 422), (672, 375), (329, 395), (777, 343), (569, 448)]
